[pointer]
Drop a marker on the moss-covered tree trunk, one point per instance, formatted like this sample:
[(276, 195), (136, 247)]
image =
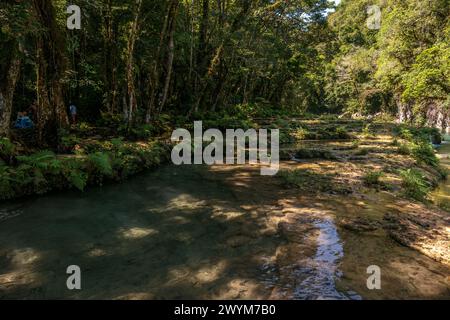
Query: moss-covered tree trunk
[(51, 113)]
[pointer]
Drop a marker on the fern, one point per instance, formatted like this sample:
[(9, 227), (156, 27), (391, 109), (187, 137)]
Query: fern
[(7, 149), (6, 190), (77, 179), (414, 184), (42, 160), (101, 163), (74, 174)]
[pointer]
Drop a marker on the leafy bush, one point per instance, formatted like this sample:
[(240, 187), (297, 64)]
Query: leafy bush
[(406, 134), (68, 142), (341, 133), (110, 120), (419, 135), (414, 184), (404, 149), (6, 181), (367, 131), (300, 134), (101, 163), (74, 174), (7, 149), (43, 171), (423, 152)]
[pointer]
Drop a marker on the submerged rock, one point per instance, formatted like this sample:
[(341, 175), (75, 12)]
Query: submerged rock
[(359, 224), (421, 229)]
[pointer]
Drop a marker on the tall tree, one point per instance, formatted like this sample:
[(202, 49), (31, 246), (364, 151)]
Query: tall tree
[(8, 81), (50, 62)]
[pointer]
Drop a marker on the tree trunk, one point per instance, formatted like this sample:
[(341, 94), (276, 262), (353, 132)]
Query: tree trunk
[(217, 60), (171, 53), (51, 113), (155, 74), (7, 89), (110, 57), (132, 104)]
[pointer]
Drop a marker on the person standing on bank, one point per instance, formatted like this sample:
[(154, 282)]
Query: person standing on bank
[(73, 112)]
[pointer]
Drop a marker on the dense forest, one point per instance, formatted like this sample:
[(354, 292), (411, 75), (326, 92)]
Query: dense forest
[(127, 71), (137, 61)]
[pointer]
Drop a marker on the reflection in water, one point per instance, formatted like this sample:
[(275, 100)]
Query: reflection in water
[(322, 271), (323, 268), (9, 212)]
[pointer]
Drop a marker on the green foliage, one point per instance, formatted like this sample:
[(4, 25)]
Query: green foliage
[(414, 184), (42, 160), (301, 134), (43, 171), (139, 132), (404, 149), (430, 74), (372, 178), (101, 163), (407, 60), (7, 149), (110, 120), (341, 133), (423, 152), (74, 174), (418, 144), (68, 142), (6, 182), (367, 131)]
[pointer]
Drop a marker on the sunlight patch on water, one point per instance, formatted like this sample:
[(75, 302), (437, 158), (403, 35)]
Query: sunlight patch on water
[(97, 253), (24, 256), (185, 202), (137, 233), (210, 273)]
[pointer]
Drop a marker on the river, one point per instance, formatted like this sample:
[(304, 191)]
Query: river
[(203, 233)]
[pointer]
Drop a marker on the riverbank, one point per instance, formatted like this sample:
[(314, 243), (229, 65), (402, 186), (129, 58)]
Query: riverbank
[(93, 162)]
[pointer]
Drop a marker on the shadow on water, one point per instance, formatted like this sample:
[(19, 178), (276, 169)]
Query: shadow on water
[(168, 234)]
